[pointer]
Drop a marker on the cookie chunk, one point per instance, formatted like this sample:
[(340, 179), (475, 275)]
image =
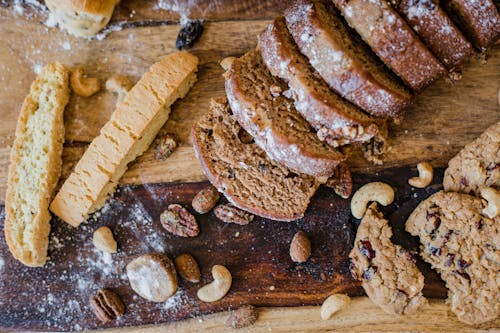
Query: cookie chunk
[(464, 247), (476, 165), (387, 271)]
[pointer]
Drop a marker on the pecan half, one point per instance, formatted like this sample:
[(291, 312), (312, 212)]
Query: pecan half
[(107, 305), (205, 200), (178, 221), (243, 317), (341, 181), (231, 214), (188, 268)]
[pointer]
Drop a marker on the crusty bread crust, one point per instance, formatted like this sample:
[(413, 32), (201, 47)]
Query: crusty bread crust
[(35, 166), (82, 18), (393, 41), (128, 133)]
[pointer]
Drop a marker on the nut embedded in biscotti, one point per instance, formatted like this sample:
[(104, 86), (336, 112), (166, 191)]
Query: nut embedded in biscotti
[(188, 268), (231, 214), (333, 304), (242, 317), (81, 85), (103, 239), (153, 277), (425, 175), (164, 146), (107, 305), (178, 221), (341, 181), (376, 191), (300, 247), (205, 200), (492, 196), (219, 287), (120, 85)]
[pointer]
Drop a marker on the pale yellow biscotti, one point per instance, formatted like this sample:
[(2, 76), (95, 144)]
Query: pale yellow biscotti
[(35, 166), (131, 129)]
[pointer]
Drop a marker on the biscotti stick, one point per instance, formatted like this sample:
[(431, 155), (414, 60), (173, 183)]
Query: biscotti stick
[(131, 129), (35, 166)]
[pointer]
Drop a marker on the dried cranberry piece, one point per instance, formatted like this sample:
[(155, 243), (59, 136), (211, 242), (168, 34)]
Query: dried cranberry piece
[(464, 181), (411, 256), (479, 224), (368, 273), (462, 264), (463, 274), (435, 251), (450, 257), (366, 249)]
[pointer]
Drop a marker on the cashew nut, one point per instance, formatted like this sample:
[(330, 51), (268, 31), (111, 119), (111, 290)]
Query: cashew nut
[(425, 174), (120, 85), (219, 287), (333, 304), (493, 197), (103, 239), (376, 191), (227, 62), (81, 85)]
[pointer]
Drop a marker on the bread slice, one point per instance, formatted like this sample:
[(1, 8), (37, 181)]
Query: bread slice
[(436, 30), (258, 105), (82, 18), (35, 166), (242, 171), (337, 121), (344, 61), (478, 19), (392, 40), (128, 133)]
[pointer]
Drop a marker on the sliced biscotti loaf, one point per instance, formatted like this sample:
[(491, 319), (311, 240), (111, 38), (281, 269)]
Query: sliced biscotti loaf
[(392, 40), (337, 121), (128, 133), (436, 30), (242, 171), (387, 271), (477, 165), (256, 99), (344, 61), (478, 19), (35, 166)]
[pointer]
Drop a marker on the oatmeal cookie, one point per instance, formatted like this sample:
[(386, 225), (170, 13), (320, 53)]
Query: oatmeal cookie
[(464, 247), (476, 165), (387, 271)]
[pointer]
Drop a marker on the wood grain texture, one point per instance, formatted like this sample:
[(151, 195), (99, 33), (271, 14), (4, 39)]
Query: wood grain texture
[(443, 119), (257, 256)]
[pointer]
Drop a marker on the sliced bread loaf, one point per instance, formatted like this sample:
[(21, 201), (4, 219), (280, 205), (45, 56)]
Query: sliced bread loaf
[(35, 166), (478, 19), (128, 133), (392, 40), (337, 121), (436, 30), (241, 170), (344, 61), (258, 105)]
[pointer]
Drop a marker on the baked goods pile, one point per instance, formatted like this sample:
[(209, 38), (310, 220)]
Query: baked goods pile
[(323, 77), (459, 235)]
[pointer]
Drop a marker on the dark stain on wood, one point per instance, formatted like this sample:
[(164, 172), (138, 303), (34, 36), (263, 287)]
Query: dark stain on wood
[(56, 296)]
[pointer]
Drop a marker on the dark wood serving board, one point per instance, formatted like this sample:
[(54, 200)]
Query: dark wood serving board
[(55, 297)]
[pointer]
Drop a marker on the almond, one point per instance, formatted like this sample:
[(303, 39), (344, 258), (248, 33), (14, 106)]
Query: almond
[(300, 248)]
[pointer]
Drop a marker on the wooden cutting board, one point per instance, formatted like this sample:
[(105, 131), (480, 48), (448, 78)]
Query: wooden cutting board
[(444, 118)]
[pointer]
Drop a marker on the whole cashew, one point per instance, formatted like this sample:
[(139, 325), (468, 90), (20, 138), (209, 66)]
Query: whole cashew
[(333, 304), (219, 287), (425, 175), (103, 239), (227, 62), (493, 197), (376, 191), (81, 85), (119, 85)]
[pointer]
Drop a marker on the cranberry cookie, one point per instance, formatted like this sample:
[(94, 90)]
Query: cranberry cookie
[(464, 247), (387, 271), (476, 165)]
